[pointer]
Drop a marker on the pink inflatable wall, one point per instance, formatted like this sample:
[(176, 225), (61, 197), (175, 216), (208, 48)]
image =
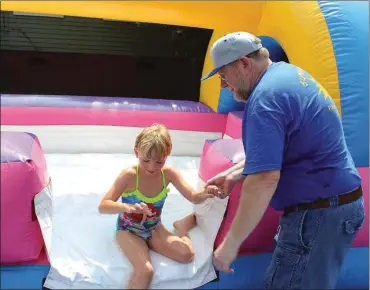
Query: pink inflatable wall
[(23, 175)]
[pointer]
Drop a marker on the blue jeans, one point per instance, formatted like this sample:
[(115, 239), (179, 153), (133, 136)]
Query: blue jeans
[(312, 245)]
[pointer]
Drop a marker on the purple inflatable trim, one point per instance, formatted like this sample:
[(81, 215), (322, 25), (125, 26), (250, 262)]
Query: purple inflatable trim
[(119, 103), (232, 149), (16, 146), (238, 114)]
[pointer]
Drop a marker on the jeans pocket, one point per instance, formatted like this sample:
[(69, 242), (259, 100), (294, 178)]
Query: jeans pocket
[(309, 225), (281, 273), (354, 225)]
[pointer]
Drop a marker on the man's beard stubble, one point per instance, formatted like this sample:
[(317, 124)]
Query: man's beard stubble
[(243, 94)]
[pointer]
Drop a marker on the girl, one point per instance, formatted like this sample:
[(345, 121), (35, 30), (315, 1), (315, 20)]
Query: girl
[(143, 189)]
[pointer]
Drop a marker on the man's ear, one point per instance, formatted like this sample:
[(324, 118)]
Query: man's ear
[(136, 153), (246, 63)]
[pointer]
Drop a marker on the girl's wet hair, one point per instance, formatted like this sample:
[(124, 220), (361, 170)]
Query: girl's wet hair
[(154, 141)]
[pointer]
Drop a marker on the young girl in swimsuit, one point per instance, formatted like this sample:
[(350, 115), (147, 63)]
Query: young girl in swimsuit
[(143, 190)]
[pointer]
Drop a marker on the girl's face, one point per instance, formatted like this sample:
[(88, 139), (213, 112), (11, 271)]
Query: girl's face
[(151, 165)]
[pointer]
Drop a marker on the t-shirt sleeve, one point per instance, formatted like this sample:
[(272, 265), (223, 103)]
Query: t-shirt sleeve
[(264, 136)]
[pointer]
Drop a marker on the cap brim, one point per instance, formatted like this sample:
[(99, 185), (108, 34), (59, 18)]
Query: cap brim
[(212, 73)]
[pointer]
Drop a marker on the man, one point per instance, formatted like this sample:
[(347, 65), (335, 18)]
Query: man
[(296, 160)]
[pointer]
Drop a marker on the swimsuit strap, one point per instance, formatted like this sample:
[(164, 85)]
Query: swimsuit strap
[(137, 177), (164, 179)]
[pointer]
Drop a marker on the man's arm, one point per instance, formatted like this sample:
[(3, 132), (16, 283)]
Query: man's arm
[(256, 194), (236, 171), (228, 177), (264, 142)]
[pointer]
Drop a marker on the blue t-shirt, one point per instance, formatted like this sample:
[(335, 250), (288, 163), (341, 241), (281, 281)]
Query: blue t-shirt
[(291, 124)]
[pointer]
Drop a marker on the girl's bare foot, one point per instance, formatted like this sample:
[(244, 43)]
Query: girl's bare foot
[(184, 225)]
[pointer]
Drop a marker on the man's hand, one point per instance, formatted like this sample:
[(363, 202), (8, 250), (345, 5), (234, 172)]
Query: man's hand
[(224, 181), (223, 257)]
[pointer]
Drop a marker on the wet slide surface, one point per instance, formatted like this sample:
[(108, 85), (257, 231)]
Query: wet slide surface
[(81, 241)]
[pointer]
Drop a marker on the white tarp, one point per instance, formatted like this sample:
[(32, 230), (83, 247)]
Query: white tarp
[(81, 242)]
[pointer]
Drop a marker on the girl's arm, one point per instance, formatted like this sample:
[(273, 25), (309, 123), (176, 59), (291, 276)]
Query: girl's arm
[(109, 204), (185, 189)]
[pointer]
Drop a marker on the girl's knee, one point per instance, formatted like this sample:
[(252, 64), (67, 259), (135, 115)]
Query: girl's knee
[(145, 271), (185, 254)]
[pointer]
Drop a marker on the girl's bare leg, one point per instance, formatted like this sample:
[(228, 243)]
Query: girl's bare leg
[(137, 252), (178, 248)]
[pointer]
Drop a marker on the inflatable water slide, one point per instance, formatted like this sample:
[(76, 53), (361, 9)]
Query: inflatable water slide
[(60, 153)]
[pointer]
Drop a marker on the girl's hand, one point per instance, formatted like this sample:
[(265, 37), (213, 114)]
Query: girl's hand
[(224, 182), (202, 196), (216, 191), (213, 189), (141, 208)]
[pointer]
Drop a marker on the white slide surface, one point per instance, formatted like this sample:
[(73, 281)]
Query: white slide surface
[(81, 242)]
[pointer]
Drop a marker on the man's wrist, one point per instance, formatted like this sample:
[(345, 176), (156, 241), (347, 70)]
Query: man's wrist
[(235, 168), (237, 175), (231, 242)]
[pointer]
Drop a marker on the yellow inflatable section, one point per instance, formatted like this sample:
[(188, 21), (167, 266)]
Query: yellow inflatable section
[(298, 26)]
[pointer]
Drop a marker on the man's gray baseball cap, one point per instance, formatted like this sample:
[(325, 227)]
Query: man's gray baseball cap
[(230, 48)]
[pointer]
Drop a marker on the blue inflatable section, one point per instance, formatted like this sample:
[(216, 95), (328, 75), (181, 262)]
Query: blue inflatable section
[(277, 53), (226, 101), (23, 277), (348, 24), (248, 273)]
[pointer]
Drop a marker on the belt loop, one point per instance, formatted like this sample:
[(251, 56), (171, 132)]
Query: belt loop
[(334, 201)]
